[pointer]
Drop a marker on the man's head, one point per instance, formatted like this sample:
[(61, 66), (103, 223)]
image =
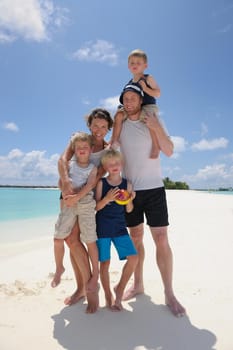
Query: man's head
[(131, 98)]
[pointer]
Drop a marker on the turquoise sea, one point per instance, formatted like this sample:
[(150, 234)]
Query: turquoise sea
[(28, 203)]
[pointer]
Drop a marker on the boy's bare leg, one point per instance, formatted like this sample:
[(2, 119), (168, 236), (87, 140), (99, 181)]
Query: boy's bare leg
[(155, 146), (105, 281), (127, 272), (59, 252)]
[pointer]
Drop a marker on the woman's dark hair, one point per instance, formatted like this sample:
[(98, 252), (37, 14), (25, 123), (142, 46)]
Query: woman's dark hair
[(100, 113)]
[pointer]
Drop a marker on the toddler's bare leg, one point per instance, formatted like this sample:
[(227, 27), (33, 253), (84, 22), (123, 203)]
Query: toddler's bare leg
[(104, 277)]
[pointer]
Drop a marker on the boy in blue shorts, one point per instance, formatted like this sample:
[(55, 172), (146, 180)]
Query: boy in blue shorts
[(111, 227)]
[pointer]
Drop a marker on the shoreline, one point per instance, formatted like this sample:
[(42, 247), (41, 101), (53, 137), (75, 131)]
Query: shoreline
[(200, 234)]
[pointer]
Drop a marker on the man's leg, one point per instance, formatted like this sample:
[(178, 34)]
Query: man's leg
[(136, 234), (165, 264)]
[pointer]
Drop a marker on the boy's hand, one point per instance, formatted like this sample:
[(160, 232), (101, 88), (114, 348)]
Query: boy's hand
[(112, 194)]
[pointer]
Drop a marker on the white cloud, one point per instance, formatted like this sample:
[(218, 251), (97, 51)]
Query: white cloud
[(209, 145), (29, 19), (11, 126), (211, 176), (100, 51), (32, 168), (110, 103)]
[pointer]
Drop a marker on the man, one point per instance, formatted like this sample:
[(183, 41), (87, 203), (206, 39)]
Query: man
[(145, 176)]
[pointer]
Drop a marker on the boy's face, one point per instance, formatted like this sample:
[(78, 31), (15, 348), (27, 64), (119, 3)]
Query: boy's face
[(113, 166), (82, 149), (137, 65)]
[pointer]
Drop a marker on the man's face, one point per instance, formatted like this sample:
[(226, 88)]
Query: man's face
[(132, 102)]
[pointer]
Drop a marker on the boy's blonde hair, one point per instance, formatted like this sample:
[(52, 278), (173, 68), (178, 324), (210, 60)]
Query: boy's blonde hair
[(111, 154), (138, 53), (80, 136)]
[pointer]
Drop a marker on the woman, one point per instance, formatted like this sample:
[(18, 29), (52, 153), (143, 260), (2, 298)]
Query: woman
[(99, 123)]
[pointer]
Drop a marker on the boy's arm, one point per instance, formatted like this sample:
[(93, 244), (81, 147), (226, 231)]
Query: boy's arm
[(153, 90), (165, 143), (109, 197), (63, 169), (72, 199)]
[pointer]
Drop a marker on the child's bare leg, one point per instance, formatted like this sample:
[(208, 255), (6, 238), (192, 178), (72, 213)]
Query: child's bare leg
[(117, 126), (155, 146), (127, 272), (104, 277), (59, 252)]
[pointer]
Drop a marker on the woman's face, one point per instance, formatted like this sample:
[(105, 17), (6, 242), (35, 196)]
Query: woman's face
[(99, 128)]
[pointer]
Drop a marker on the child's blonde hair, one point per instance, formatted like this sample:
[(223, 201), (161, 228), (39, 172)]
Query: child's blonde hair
[(138, 53), (111, 154), (80, 136)]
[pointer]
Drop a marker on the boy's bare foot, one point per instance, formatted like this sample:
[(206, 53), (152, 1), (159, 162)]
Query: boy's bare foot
[(92, 301), (175, 307), (92, 284), (109, 301), (132, 292), (74, 298), (57, 277), (117, 306)]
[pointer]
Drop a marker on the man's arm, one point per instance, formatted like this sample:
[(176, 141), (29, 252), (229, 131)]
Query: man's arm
[(165, 143)]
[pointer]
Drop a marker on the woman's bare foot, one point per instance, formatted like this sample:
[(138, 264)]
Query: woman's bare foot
[(57, 277), (75, 297), (132, 292), (175, 307), (92, 300)]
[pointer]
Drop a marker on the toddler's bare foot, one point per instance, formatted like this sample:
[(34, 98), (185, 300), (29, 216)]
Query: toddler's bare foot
[(74, 298), (57, 277), (175, 307), (132, 292), (92, 301)]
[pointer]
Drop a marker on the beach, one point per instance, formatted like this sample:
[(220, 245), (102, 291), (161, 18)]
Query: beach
[(33, 315)]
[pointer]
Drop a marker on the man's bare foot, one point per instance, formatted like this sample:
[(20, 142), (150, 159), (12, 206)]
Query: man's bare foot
[(132, 292), (74, 298), (92, 301), (57, 277), (175, 307)]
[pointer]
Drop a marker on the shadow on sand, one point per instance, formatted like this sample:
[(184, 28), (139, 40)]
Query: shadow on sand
[(148, 326)]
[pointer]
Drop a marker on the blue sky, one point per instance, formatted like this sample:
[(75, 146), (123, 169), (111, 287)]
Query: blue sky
[(60, 59)]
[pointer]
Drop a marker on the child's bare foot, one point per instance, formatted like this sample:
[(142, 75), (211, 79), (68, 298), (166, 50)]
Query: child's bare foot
[(92, 284), (132, 292), (109, 301), (75, 297), (92, 301), (57, 277), (175, 307), (117, 306)]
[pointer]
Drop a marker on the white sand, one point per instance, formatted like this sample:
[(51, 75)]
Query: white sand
[(33, 315)]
